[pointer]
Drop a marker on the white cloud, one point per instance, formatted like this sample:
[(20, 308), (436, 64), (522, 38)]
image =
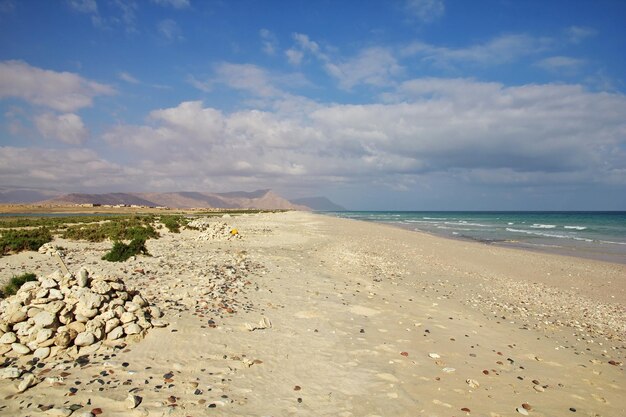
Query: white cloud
[(294, 56), (577, 34), (561, 64), (372, 66), (500, 50), (170, 30), (177, 4), (67, 128), (124, 76), (84, 6), (62, 91), (426, 10), (246, 77), (460, 128), (205, 86), (68, 169), (269, 42)]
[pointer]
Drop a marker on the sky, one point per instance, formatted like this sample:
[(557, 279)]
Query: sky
[(377, 105)]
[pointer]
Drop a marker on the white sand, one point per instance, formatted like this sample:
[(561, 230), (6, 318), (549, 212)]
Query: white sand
[(355, 310)]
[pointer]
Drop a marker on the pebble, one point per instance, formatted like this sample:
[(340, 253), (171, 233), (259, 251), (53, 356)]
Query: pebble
[(472, 383), (434, 355), (522, 411), (132, 401), (10, 373), (60, 412), (20, 348), (28, 380), (538, 388)]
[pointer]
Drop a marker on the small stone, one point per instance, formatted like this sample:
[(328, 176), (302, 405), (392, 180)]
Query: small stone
[(472, 383), (132, 401), (44, 319), (522, 411), (28, 380), (127, 317), (83, 277), (43, 335), (467, 410), (10, 373), (404, 353), (448, 370), (132, 328), (64, 339), (116, 333), (85, 339), (100, 287), (572, 409), (96, 411), (18, 317), (60, 412), (48, 283), (8, 338), (20, 348), (434, 355), (42, 353), (538, 388), (526, 406)]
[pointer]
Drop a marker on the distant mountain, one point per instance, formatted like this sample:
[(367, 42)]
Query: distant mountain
[(261, 199), (10, 194), (318, 204)]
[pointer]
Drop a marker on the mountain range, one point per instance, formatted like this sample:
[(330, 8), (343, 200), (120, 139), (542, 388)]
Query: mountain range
[(260, 199)]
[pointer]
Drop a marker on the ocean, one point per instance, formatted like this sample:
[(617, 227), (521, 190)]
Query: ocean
[(594, 235)]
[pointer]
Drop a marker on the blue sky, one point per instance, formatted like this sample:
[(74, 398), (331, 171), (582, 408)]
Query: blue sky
[(407, 104)]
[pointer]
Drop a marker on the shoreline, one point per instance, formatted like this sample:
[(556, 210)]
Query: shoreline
[(575, 251), (333, 317)]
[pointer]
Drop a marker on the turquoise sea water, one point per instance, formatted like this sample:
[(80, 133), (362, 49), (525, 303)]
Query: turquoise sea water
[(597, 235)]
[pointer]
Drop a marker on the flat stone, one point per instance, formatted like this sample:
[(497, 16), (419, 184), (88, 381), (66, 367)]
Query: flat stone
[(43, 335), (132, 328), (8, 338), (18, 317), (11, 372), (28, 380), (89, 300), (77, 325), (42, 353), (60, 412), (111, 324), (49, 283), (127, 317), (44, 319), (85, 339), (100, 287), (116, 333), (20, 348)]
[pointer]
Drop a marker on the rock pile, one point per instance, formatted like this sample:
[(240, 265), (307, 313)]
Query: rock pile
[(214, 230), (50, 249), (72, 314)]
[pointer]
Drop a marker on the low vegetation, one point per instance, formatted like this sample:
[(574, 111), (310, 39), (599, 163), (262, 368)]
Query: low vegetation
[(122, 251), (118, 230), (17, 240), (15, 283), (174, 223)]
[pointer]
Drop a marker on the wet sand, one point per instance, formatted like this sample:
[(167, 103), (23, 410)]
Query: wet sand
[(361, 319)]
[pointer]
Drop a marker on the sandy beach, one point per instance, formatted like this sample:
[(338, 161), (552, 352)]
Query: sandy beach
[(312, 315)]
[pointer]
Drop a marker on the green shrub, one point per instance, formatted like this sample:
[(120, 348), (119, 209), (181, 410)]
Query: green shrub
[(121, 251), (120, 229), (18, 240), (15, 283), (173, 223)]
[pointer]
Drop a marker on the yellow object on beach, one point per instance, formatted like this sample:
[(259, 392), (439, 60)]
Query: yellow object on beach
[(234, 232)]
